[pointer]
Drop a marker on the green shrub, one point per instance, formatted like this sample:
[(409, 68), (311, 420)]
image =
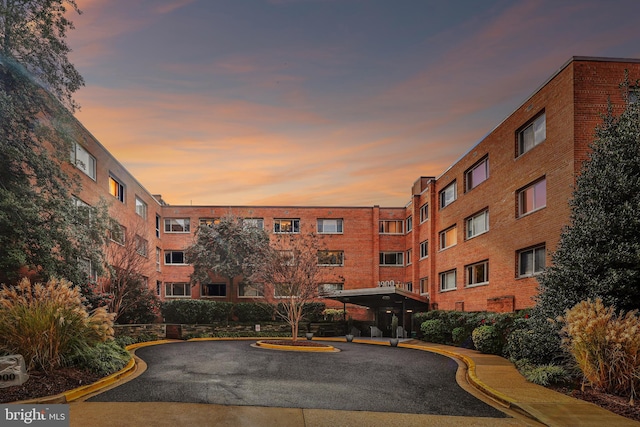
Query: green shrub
[(535, 339), (253, 312), (195, 311), (487, 339), (434, 331), (461, 337), (543, 375), (103, 358), (48, 323)]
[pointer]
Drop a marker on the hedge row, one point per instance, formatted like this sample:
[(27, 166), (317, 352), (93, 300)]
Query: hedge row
[(197, 311), (486, 332)]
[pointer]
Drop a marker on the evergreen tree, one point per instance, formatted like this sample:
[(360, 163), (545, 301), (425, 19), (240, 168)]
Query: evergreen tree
[(598, 255), (42, 229)]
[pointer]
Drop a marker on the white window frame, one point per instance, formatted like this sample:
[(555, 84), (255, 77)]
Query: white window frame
[(118, 236), (253, 222), (183, 223), (471, 270), (158, 258), (398, 255), (444, 241), (339, 259), (445, 279), (336, 227), (477, 224), (448, 195), (141, 208), (170, 285), (142, 246), (535, 188), (278, 222), (83, 160), (424, 213), (424, 249), (158, 225), (535, 254), (409, 256), (470, 184), (424, 286), (170, 253), (218, 285), (209, 222), (326, 288), (409, 222), (254, 293), (384, 226), (537, 128)]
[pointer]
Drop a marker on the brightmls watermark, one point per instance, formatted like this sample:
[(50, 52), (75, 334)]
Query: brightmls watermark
[(36, 415)]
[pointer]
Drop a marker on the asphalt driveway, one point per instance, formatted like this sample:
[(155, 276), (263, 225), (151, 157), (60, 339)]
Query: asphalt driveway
[(359, 378)]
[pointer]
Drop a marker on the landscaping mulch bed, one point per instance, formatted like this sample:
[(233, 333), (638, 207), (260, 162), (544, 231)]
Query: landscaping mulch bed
[(299, 343), (41, 384), (616, 404)]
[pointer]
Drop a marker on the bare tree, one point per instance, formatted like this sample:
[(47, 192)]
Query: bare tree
[(127, 255), (291, 273)]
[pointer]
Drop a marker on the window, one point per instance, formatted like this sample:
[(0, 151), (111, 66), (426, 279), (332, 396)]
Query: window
[(424, 213), (424, 249), (478, 224), (391, 226), (158, 258), (330, 258), (424, 285), (532, 134), (330, 226), (448, 237), (409, 253), (88, 269), (477, 274), (326, 288), (214, 290), (246, 289), (177, 225), (531, 261), (117, 234), (253, 223), (532, 198), (392, 258), (85, 212), (409, 224), (158, 226), (408, 286), (174, 257), (448, 195), (141, 246), (287, 257), (177, 290), (83, 160), (286, 225), (209, 222), (634, 94), (116, 189), (141, 208), (158, 287), (477, 174), (448, 280)]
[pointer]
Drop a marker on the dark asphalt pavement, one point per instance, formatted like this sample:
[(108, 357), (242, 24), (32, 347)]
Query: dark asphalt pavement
[(359, 378)]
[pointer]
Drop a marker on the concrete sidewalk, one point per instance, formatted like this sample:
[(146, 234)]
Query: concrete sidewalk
[(485, 376)]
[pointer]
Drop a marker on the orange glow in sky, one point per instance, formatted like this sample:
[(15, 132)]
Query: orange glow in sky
[(311, 102)]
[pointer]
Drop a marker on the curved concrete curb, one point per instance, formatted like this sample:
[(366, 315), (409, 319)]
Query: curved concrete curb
[(327, 349), (471, 373), (77, 393)]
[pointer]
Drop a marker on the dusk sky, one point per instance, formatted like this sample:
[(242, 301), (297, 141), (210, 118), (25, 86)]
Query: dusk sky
[(319, 102)]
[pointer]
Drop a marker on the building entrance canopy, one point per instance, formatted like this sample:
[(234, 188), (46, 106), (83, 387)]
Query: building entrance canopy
[(387, 298)]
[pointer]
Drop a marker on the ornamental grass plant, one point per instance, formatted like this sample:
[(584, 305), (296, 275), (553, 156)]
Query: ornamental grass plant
[(605, 346), (48, 324)]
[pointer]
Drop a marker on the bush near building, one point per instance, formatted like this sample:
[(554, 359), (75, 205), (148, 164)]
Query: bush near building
[(49, 325)]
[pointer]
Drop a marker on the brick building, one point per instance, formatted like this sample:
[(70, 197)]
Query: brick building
[(472, 238)]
